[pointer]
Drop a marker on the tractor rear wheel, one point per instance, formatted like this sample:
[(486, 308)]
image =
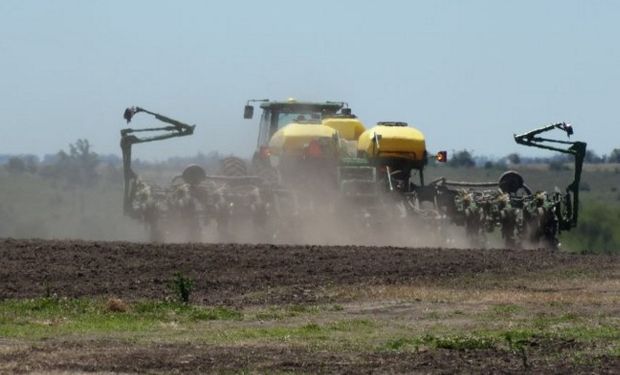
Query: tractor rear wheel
[(233, 167), (512, 182)]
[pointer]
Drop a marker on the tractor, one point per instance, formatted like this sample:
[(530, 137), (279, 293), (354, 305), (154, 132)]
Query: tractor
[(372, 180), (300, 149), (318, 169)]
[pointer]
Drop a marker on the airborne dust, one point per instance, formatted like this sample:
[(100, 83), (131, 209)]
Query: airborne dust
[(38, 206)]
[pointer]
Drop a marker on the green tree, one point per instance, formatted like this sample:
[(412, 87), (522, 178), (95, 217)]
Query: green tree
[(462, 158), (514, 158), (592, 157), (614, 156), (16, 165), (78, 166)]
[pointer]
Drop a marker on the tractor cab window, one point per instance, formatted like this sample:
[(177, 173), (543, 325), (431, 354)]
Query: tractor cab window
[(287, 118), (264, 128), (273, 120)]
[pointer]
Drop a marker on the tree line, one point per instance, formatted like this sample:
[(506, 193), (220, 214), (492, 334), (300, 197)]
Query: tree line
[(466, 158), (79, 165)]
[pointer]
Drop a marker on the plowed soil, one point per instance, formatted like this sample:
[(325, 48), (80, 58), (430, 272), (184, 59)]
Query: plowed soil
[(248, 275), (233, 274)]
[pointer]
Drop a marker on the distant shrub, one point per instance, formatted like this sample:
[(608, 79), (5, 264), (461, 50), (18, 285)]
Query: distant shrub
[(116, 305)]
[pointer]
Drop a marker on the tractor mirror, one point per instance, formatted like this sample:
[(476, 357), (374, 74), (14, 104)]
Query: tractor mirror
[(248, 112), (442, 156)]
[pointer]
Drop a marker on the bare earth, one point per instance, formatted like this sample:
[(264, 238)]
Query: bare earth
[(383, 284)]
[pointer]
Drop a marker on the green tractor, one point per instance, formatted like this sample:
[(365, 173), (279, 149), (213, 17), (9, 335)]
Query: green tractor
[(371, 181), (318, 171), (326, 167)]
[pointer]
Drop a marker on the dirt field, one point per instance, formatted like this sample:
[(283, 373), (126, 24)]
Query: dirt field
[(250, 274), (398, 304)]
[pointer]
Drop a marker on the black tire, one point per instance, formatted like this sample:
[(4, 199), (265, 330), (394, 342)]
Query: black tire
[(511, 182), (233, 167), (194, 174)]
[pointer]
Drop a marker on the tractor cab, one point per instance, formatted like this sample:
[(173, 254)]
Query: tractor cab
[(278, 114), (296, 141)]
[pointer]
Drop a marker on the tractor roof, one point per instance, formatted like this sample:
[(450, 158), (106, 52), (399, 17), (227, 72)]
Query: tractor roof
[(295, 106)]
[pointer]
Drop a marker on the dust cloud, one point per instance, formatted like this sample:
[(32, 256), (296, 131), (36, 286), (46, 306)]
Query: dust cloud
[(305, 213)]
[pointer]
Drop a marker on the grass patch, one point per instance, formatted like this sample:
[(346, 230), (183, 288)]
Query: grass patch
[(506, 309), (459, 342), (304, 333), (451, 342), (354, 325), (39, 318), (217, 313), (401, 343), (43, 317), (543, 321), (346, 332), (516, 340), (507, 327), (295, 310)]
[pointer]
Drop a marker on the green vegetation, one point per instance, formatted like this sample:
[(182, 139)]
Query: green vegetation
[(49, 317), (182, 287), (614, 156), (513, 339), (319, 326), (453, 342), (291, 311), (598, 230), (506, 309), (462, 158)]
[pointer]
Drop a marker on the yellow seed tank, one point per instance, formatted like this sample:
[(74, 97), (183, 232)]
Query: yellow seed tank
[(393, 140), (350, 128)]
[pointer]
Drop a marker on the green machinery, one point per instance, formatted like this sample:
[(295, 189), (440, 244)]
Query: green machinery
[(523, 216), (382, 179), (194, 199), (316, 159)]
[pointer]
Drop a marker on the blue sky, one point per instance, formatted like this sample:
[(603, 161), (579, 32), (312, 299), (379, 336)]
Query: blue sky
[(468, 74)]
